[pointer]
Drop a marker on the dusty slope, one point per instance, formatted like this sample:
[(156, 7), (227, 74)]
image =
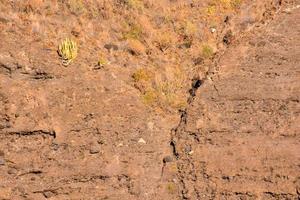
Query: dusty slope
[(240, 137), (75, 132)]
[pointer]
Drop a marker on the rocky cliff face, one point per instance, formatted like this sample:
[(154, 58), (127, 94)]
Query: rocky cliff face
[(239, 137), (165, 100)]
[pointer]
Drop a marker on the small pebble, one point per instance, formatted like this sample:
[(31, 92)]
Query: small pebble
[(2, 161), (113, 75), (55, 146), (150, 125), (168, 159), (12, 171), (141, 140), (111, 47), (48, 194), (188, 149), (120, 144), (94, 149), (288, 10)]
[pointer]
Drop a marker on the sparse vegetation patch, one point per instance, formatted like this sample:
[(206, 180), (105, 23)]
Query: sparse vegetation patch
[(102, 61), (77, 7), (141, 75), (207, 51), (68, 51), (134, 32), (136, 4)]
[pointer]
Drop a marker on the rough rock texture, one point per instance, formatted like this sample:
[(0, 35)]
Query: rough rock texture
[(86, 132), (240, 136)]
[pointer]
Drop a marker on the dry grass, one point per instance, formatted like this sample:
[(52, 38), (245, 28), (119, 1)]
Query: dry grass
[(164, 40), (135, 4), (142, 75), (102, 61), (236, 3), (211, 10), (232, 4), (150, 97), (77, 7), (161, 92), (207, 51), (134, 31), (171, 187), (190, 28)]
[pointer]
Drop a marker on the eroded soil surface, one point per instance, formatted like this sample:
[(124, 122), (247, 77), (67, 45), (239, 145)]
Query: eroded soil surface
[(214, 115)]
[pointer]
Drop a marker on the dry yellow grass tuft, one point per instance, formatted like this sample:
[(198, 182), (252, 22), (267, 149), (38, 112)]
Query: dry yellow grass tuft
[(211, 10), (135, 4), (190, 28), (150, 97), (229, 4), (142, 75), (77, 7), (134, 31), (207, 51), (102, 61), (171, 187), (164, 40), (161, 91)]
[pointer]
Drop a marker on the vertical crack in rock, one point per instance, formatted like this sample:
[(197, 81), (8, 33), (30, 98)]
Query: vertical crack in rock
[(178, 132)]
